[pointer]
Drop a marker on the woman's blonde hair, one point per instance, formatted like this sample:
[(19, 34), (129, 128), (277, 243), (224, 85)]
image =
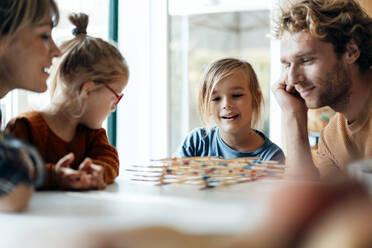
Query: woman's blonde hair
[(220, 70), (17, 14), (334, 21), (84, 58)]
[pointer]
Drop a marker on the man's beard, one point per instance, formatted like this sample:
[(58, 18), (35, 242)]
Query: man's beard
[(335, 88)]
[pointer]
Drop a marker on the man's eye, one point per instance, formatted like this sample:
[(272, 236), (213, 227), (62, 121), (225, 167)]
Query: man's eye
[(285, 66), (306, 60), (215, 99)]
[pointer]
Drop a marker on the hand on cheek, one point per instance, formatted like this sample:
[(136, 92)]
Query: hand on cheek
[(287, 97)]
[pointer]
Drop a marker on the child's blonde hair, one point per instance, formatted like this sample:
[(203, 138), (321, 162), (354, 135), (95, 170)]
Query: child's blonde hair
[(220, 70), (84, 58)]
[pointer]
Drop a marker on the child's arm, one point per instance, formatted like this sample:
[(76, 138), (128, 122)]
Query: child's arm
[(103, 154), (21, 128), (87, 177)]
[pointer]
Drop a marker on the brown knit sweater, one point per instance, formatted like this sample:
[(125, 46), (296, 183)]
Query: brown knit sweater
[(92, 143), (341, 143)]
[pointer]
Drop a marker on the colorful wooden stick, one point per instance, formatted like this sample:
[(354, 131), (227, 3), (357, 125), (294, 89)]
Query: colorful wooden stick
[(208, 171)]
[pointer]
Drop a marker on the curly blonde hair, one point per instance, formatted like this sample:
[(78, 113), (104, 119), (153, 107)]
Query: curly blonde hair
[(334, 21), (220, 70), (84, 58)]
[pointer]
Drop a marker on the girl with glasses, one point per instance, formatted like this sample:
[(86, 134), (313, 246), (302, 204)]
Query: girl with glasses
[(87, 81)]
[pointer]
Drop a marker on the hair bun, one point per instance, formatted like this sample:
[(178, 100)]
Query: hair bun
[(77, 31), (80, 21)]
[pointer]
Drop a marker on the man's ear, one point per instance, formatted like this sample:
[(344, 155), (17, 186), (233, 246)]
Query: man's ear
[(86, 88), (352, 52)]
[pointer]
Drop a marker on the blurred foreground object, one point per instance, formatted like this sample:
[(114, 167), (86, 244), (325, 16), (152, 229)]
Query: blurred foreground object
[(21, 169), (362, 172), (336, 214)]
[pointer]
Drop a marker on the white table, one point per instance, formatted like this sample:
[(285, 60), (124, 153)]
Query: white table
[(130, 204)]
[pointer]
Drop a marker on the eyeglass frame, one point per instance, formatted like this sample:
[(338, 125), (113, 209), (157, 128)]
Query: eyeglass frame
[(118, 96)]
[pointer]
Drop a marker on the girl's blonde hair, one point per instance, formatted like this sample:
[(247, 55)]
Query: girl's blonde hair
[(220, 70), (84, 58), (18, 14)]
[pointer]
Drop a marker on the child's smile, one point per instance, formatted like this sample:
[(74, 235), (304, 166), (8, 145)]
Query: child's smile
[(231, 104), (230, 117)]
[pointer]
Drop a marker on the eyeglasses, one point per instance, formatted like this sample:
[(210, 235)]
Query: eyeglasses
[(118, 96)]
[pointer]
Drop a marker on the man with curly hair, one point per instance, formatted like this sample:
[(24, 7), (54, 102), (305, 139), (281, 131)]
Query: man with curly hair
[(326, 54)]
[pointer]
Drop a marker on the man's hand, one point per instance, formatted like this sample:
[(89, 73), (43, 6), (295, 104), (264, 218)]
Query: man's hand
[(299, 162), (88, 176), (288, 98)]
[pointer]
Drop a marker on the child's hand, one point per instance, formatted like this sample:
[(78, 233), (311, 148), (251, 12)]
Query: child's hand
[(287, 96), (95, 171), (89, 176)]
